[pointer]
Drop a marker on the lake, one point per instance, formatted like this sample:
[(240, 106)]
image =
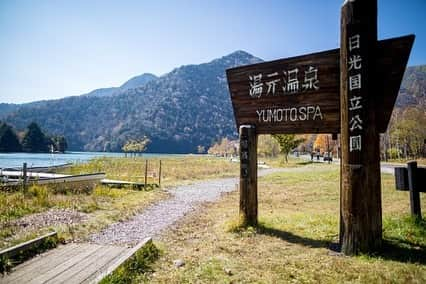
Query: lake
[(12, 160)]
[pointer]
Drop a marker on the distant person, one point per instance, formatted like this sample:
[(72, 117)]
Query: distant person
[(318, 154), (312, 156), (327, 157)]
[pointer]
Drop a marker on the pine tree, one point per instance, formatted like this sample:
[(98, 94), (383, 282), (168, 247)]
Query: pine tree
[(34, 140), (59, 143), (9, 142)]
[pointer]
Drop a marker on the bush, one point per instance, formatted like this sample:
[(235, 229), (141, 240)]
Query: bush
[(41, 195), (394, 153)]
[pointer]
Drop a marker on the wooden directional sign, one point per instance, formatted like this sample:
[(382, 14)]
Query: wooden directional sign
[(293, 95), (301, 94)]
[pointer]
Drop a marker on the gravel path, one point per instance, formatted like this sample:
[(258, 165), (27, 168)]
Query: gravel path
[(158, 217)]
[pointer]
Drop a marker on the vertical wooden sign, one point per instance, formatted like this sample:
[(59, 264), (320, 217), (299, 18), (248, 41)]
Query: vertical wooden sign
[(361, 222), (248, 175)]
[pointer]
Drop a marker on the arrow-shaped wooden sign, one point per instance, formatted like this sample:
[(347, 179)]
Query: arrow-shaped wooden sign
[(301, 94)]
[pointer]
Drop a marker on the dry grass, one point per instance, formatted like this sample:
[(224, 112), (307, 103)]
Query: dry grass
[(298, 212), (103, 205), (174, 170), (299, 228), (420, 161)]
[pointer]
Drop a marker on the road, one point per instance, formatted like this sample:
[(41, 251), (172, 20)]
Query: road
[(386, 168)]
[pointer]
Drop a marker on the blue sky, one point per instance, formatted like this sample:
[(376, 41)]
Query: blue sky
[(54, 49)]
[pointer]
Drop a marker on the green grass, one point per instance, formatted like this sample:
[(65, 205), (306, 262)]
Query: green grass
[(279, 162), (134, 269), (296, 239), (420, 161)]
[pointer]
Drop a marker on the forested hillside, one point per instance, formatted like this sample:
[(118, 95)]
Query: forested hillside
[(6, 109), (184, 109), (413, 88), (179, 111)]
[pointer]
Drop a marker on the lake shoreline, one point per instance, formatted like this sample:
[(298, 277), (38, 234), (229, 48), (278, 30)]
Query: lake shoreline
[(16, 160)]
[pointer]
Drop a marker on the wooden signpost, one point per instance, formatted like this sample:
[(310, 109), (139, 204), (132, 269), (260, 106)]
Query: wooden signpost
[(350, 91), (361, 208), (248, 175), (412, 179)]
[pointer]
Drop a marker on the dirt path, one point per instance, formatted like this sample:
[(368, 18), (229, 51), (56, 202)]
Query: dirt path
[(160, 216)]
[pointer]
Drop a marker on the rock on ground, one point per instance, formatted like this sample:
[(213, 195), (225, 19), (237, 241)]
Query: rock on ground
[(52, 217)]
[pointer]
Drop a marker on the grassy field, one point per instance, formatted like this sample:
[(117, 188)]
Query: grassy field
[(103, 205), (420, 161), (296, 241), (175, 171), (297, 238)]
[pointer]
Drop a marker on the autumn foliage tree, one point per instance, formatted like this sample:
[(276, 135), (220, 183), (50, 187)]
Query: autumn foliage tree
[(407, 133), (287, 143), (136, 146), (324, 143), (267, 146), (223, 148)]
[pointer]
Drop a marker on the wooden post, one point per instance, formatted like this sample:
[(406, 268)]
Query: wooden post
[(361, 210), (146, 173), (248, 175), (159, 175), (414, 190), (24, 177)]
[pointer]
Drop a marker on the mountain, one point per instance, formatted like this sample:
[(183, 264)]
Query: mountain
[(188, 107), (103, 92), (6, 109), (413, 88), (138, 81), (178, 111), (135, 82)]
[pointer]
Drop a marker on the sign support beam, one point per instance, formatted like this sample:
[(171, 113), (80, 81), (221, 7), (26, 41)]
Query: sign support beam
[(413, 178), (248, 175), (361, 210)]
